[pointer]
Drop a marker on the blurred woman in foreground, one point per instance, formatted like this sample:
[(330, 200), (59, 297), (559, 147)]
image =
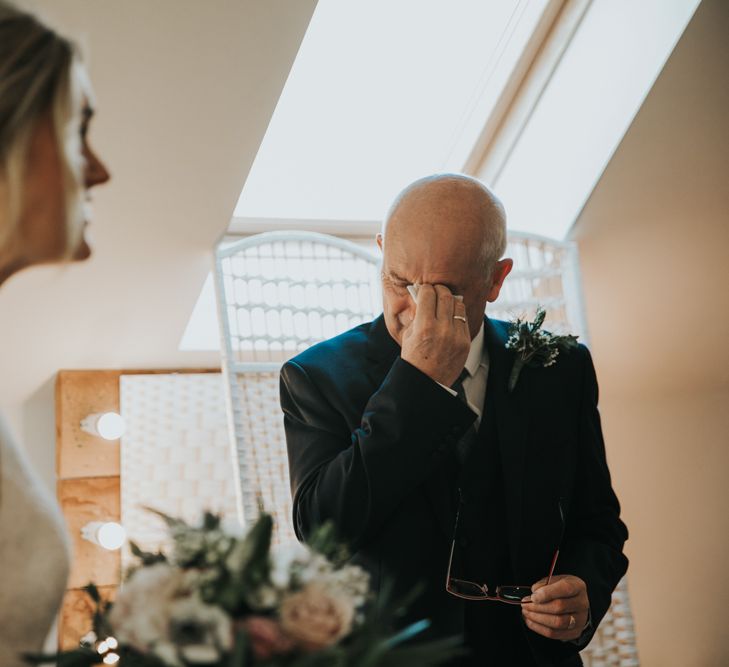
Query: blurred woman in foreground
[(46, 171)]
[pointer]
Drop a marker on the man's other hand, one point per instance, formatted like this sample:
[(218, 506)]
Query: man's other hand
[(437, 342), (553, 607)]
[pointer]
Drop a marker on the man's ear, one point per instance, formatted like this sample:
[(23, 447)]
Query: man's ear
[(380, 240), (498, 275)]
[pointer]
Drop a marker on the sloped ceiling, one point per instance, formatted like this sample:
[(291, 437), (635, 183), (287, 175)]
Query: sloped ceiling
[(185, 91)]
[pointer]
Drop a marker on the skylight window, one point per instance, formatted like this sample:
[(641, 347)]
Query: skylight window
[(382, 93)]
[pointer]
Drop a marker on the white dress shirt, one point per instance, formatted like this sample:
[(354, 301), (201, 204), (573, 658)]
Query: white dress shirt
[(474, 385)]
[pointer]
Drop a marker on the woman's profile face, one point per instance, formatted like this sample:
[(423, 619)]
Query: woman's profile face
[(95, 173), (42, 226)]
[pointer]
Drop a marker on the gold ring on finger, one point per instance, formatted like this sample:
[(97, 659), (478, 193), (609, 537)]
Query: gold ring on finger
[(459, 317)]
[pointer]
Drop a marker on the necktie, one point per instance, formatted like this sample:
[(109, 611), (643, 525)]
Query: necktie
[(467, 441)]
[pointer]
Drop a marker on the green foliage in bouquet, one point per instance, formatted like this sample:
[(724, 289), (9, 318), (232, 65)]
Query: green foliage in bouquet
[(226, 600), (234, 568)]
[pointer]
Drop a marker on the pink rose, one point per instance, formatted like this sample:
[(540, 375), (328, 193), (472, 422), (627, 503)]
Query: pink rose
[(267, 637), (314, 618)]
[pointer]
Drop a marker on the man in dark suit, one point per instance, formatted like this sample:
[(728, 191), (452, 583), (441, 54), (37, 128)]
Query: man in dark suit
[(403, 432)]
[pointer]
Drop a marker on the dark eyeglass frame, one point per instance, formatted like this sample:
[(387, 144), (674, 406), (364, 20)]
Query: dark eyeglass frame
[(508, 594)]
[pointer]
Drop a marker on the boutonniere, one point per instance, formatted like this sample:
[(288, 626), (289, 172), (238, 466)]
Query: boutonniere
[(533, 346)]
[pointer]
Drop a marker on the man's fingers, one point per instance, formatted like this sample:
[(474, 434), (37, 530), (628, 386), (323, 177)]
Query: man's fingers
[(433, 341), (539, 584), (554, 621), (558, 610), (563, 588), (574, 605), (553, 633), (425, 309), (459, 310), (444, 305)]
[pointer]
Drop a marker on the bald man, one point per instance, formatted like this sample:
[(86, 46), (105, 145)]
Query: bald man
[(403, 433)]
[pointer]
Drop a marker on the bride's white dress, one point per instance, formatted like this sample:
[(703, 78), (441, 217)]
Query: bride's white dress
[(34, 555)]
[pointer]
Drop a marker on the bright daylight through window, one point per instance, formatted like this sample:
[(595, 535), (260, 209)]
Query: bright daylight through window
[(381, 93)]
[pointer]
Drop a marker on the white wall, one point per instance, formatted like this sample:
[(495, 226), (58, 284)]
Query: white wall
[(654, 243), (185, 92)]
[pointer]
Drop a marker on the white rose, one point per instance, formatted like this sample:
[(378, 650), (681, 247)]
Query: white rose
[(350, 581), (316, 569), (315, 618)]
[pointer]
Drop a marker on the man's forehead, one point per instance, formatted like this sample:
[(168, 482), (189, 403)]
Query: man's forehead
[(437, 253), (451, 276), (433, 231)]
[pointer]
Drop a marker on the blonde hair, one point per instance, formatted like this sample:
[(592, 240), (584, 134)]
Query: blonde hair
[(40, 74)]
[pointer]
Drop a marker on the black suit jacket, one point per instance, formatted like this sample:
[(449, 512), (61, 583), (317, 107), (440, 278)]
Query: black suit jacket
[(369, 437)]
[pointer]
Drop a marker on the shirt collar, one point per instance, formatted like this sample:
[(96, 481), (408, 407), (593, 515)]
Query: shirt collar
[(476, 353)]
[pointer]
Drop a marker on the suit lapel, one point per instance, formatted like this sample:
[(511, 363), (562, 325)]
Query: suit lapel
[(512, 424)]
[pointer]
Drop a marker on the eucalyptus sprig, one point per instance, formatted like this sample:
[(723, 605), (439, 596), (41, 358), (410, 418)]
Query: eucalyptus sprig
[(533, 346)]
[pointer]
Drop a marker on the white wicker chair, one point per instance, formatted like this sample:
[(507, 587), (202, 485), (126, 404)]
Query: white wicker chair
[(546, 273), (614, 642), (279, 293)]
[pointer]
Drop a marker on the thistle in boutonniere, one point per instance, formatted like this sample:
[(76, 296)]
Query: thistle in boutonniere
[(533, 346)]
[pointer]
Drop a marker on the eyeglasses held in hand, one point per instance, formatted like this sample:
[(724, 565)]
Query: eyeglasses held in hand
[(510, 594)]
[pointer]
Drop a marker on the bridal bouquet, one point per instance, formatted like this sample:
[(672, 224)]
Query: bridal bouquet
[(223, 599)]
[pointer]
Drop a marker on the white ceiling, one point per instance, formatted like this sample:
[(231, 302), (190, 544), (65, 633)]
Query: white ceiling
[(185, 92)]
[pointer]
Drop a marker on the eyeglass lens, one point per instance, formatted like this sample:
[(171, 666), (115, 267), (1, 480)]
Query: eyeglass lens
[(472, 590)]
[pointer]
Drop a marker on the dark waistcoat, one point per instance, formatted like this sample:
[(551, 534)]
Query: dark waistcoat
[(493, 630)]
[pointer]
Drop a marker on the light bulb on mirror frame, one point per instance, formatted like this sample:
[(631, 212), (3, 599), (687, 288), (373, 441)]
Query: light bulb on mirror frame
[(109, 535), (106, 425)]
